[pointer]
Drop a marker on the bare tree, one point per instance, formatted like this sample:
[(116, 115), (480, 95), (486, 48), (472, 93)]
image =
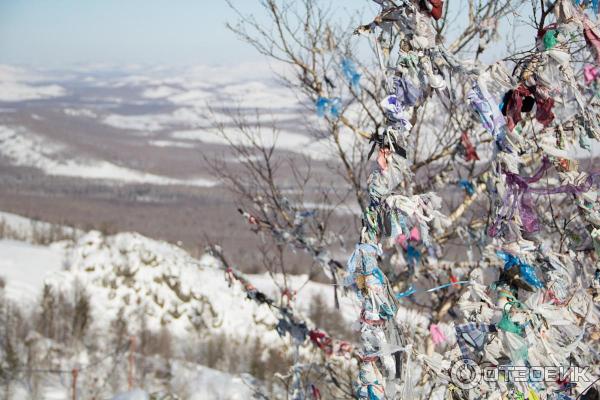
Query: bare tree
[(436, 142)]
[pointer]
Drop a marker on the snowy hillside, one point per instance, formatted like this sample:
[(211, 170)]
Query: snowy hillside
[(154, 286), (25, 267), (171, 288), (136, 273)]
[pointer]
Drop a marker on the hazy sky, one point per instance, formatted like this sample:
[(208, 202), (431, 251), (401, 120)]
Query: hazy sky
[(59, 33)]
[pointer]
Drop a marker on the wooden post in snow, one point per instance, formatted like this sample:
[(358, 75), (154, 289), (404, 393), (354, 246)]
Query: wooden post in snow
[(131, 361), (74, 373)]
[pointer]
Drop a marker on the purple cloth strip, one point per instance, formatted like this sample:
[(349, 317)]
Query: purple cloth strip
[(521, 193)]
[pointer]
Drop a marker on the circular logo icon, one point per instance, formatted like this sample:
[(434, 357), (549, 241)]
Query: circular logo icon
[(465, 374)]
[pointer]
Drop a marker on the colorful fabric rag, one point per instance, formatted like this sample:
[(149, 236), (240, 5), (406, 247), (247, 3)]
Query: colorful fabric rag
[(406, 92), (550, 39), (506, 324), (322, 341), (519, 192), (437, 336), (415, 236), (467, 186), (351, 74), (394, 111), (590, 73), (382, 158), (595, 4), (526, 271), (331, 108), (543, 111), (472, 335), (519, 195), (521, 100), (288, 324), (315, 392), (364, 259), (435, 8), (489, 113), (470, 152), (370, 380), (412, 256), (592, 37)]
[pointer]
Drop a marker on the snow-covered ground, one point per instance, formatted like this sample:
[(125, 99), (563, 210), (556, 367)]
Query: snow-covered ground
[(202, 383), (127, 273), (132, 271), (17, 84), (148, 123), (26, 229), (24, 148), (25, 267), (157, 276)]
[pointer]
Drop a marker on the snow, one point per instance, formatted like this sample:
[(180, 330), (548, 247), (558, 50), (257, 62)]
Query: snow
[(249, 89), (18, 91), (25, 229), (136, 394), (287, 140), (191, 77), (27, 149), (201, 382), (171, 143), (209, 384), (130, 272), (81, 112), (317, 149), (248, 85), (160, 92), (191, 97), (135, 272), (134, 122), (186, 117), (16, 85), (242, 72), (24, 267), (133, 80), (257, 94)]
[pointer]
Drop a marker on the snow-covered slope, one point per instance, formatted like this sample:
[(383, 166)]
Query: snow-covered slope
[(138, 275), (207, 383), (13, 226), (130, 274), (24, 267)]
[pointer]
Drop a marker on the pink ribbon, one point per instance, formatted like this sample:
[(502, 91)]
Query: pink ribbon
[(592, 37), (590, 73), (382, 158), (415, 236), (436, 334)]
